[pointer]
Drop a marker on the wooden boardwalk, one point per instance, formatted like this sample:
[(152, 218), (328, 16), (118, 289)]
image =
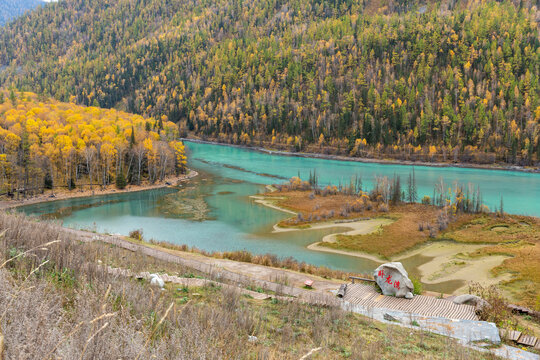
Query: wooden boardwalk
[(520, 339), (366, 296)]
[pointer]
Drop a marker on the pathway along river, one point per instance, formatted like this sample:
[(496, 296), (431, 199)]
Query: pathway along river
[(213, 211)]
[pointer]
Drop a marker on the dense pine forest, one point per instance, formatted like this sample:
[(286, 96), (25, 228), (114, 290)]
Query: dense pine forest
[(48, 144), (440, 81), (10, 9)]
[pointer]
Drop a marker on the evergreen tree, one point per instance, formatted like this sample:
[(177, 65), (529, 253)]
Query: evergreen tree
[(12, 97), (121, 181), (48, 181), (396, 190), (132, 138), (412, 194)]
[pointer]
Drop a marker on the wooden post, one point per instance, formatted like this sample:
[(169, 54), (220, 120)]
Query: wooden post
[(341, 291)]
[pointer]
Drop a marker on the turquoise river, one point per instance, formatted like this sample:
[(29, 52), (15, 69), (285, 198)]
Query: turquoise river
[(214, 212)]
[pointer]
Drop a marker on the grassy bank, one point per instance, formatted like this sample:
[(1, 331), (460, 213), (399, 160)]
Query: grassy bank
[(269, 260), (60, 303)]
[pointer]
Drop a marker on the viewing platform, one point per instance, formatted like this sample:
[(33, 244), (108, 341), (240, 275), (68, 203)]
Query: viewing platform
[(366, 296)]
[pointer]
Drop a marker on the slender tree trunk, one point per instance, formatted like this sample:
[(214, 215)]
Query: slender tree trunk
[(139, 171)]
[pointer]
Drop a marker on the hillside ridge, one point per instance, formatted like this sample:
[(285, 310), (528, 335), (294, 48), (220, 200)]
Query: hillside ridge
[(443, 81)]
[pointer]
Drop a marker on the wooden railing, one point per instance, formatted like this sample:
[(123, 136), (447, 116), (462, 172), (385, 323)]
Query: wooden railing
[(353, 278)]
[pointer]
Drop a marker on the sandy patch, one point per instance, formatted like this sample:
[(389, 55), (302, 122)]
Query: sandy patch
[(439, 249), (271, 203), (270, 188), (359, 227), (449, 261), (473, 270)]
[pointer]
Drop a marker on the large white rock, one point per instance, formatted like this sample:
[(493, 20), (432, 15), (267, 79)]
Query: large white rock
[(394, 280), (468, 299)]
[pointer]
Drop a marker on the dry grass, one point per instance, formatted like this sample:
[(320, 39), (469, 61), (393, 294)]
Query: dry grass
[(401, 235), (490, 228), (516, 236), (302, 202), (270, 260), (311, 207), (58, 303), (499, 313)]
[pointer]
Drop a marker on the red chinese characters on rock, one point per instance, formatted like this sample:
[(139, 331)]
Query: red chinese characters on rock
[(388, 279), (393, 280)]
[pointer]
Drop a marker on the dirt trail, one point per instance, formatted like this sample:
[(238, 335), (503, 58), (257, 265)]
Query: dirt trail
[(195, 282), (280, 281)]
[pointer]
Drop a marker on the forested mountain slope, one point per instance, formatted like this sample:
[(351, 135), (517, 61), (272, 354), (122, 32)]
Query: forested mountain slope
[(10, 9), (439, 81)]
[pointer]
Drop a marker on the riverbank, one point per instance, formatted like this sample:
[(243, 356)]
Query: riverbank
[(63, 194), (503, 167), (489, 257)]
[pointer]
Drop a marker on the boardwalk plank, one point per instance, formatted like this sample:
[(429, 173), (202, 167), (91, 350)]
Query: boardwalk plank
[(527, 340), (365, 295)]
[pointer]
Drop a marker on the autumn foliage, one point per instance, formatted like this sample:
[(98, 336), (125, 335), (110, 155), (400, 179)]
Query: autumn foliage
[(53, 144), (454, 82)]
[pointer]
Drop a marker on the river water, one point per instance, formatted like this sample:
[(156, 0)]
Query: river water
[(214, 212)]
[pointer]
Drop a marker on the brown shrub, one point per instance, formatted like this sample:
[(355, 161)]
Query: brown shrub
[(136, 234), (497, 311)]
